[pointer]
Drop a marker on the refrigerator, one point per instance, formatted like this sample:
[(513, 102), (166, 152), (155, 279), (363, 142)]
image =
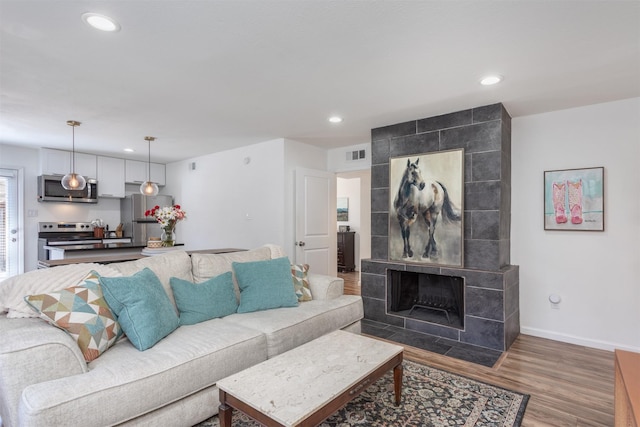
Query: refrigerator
[(134, 223)]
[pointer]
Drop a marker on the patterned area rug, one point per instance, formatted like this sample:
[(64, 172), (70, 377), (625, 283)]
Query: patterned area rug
[(430, 397)]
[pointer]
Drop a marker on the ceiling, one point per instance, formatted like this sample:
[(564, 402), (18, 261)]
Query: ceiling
[(205, 76)]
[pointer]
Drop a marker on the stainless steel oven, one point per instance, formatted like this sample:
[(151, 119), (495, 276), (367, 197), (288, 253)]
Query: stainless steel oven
[(63, 233)]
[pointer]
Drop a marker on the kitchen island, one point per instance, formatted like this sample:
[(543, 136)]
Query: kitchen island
[(94, 250), (118, 256)]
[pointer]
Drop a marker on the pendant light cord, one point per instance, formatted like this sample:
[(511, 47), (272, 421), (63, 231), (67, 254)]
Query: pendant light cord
[(73, 149)]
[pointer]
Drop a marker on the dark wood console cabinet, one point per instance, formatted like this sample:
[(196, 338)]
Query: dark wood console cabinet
[(346, 257)]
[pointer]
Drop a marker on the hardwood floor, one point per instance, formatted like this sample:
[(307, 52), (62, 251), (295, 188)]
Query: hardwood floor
[(569, 385), (351, 282)]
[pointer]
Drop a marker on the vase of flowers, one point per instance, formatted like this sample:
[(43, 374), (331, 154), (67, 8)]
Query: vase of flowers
[(167, 217)]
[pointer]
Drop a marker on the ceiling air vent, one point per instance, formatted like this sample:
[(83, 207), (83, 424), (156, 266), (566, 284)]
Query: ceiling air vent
[(356, 155)]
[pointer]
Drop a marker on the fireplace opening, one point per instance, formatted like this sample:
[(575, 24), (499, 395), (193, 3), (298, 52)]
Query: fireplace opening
[(431, 298)]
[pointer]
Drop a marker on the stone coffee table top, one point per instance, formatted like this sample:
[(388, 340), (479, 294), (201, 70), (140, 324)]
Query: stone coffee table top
[(290, 387)]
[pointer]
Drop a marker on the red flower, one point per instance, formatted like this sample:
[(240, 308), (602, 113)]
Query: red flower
[(177, 206), (147, 213)]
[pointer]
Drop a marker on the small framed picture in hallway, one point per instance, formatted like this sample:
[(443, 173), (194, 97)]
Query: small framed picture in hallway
[(574, 199)]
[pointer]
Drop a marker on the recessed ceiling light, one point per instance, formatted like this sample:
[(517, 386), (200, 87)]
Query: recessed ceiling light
[(100, 22), (335, 119), (129, 150), (491, 80)]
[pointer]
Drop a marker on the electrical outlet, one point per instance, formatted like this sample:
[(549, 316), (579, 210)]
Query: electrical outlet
[(32, 213)]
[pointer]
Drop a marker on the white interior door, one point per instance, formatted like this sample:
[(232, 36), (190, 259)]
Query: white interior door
[(316, 236), (11, 262)]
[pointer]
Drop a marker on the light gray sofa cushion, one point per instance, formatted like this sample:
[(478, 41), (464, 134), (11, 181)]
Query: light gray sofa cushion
[(165, 266), (14, 289), (206, 266), (287, 328), (125, 383)]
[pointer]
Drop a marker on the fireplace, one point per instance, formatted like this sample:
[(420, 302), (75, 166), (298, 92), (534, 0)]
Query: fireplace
[(483, 310), (428, 297)]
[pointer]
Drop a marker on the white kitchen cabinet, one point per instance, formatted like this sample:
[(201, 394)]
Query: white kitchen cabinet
[(54, 162), (58, 162), (110, 177), (136, 172), (158, 174), (86, 165)]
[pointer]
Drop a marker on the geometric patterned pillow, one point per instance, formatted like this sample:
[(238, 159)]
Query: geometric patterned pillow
[(301, 282), (82, 312)]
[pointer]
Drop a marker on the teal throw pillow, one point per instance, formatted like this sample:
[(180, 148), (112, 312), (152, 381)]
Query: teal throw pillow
[(142, 306), (265, 284), (198, 302)]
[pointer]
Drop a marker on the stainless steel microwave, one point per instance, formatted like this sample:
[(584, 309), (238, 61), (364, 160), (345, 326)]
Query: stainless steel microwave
[(50, 189)]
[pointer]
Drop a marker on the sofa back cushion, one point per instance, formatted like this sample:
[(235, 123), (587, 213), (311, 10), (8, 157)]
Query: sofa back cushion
[(206, 266), (14, 289), (165, 266)]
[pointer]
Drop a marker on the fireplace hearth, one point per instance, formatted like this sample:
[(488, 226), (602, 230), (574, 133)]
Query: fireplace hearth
[(476, 304)]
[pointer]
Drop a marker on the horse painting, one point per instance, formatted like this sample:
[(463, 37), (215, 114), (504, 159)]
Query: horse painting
[(417, 198)]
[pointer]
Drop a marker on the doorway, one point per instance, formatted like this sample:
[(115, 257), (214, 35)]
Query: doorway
[(11, 262), (355, 187)]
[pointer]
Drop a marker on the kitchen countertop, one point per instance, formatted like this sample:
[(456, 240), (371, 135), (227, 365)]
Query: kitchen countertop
[(94, 246), (107, 259)]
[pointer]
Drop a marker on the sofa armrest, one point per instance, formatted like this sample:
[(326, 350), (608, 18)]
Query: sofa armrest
[(31, 352), (325, 287)]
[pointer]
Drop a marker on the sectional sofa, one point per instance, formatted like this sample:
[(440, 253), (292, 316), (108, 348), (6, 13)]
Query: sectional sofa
[(45, 379)]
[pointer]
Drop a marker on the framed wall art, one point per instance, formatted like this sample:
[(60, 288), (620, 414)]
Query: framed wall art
[(574, 199), (343, 209), (426, 193)]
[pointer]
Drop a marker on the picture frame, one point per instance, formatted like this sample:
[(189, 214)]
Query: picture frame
[(574, 199), (426, 189), (343, 209)]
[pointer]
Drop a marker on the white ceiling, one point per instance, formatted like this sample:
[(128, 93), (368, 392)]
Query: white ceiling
[(204, 76)]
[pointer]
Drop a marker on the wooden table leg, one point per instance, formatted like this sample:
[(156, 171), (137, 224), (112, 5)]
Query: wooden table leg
[(224, 411), (397, 382)]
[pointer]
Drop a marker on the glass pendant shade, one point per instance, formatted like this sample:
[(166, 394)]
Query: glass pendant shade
[(72, 180), (149, 188)]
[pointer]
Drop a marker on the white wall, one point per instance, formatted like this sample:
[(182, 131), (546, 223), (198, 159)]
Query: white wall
[(337, 158), (233, 199), (597, 274), (224, 191), (27, 159)]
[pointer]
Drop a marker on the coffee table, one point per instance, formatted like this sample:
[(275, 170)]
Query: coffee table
[(306, 385)]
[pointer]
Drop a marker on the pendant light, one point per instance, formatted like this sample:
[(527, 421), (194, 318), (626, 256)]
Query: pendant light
[(72, 180), (149, 188)]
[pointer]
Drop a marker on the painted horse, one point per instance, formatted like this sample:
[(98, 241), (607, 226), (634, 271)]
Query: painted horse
[(416, 198)]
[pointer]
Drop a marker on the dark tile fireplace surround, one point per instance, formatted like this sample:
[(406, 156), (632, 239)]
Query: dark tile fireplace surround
[(490, 317)]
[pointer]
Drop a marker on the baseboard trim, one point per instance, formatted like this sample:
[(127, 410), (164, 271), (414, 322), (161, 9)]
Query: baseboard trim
[(572, 339)]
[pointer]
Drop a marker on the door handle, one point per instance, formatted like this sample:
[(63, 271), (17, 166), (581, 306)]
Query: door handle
[(300, 243)]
